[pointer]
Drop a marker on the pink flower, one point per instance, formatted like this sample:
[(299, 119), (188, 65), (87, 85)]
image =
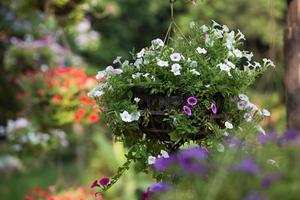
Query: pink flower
[(187, 110), (95, 184), (213, 108), (192, 101)]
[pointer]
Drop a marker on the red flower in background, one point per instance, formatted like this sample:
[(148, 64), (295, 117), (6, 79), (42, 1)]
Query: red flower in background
[(57, 98), (79, 114), (85, 99), (94, 117)]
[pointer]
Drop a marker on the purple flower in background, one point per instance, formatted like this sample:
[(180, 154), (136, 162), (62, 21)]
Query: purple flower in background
[(214, 108), (269, 179), (104, 181), (248, 166), (192, 101), (187, 110), (265, 138), (291, 135), (159, 187), (161, 164), (233, 142), (254, 196), (193, 153)]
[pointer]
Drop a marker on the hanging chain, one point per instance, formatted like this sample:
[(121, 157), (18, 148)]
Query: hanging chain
[(167, 36)]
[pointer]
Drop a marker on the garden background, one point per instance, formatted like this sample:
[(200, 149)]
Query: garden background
[(77, 38)]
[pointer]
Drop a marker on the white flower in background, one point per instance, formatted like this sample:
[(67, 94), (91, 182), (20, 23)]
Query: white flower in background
[(117, 60), (111, 69), (141, 53), (243, 97), (138, 62), (157, 43), (98, 93), (225, 28), (151, 160), (248, 117), (176, 57), (135, 116), (215, 24), (201, 50), (136, 75), (195, 72), (146, 75), (218, 33), (272, 162), (266, 113), (127, 117), (176, 69), (257, 65), (101, 74), (83, 26), (268, 62), (136, 99), (164, 154), (192, 25), (162, 63), (19, 123), (242, 105), (228, 125)]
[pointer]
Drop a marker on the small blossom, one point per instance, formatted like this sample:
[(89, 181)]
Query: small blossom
[(268, 62), (138, 62), (159, 187), (248, 56), (111, 69), (192, 25), (195, 72), (104, 181), (176, 69), (164, 154), (266, 113), (220, 148), (117, 60), (151, 160), (201, 50), (248, 166), (136, 99), (204, 28), (243, 97), (157, 43), (248, 117), (141, 53), (240, 35), (237, 53), (162, 63), (187, 110), (192, 101), (95, 184), (194, 64), (228, 125), (126, 117), (213, 108), (101, 74), (176, 57)]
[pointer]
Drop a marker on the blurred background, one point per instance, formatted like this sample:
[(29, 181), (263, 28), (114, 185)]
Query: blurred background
[(51, 140)]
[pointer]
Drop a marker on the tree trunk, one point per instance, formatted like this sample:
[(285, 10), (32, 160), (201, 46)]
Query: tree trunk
[(292, 64)]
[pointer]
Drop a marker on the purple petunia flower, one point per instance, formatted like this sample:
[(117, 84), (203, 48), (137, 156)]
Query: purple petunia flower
[(214, 108), (193, 153), (192, 101), (159, 187), (291, 135), (187, 110), (161, 164), (95, 184), (248, 166), (104, 181)]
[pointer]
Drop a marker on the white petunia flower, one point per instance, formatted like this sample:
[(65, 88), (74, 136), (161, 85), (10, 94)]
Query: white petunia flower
[(176, 69), (266, 113), (138, 62), (111, 69), (141, 53), (230, 64), (201, 50), (248, 117), (136, 99), (117, 60), (260, 129), (220, 148), (248, 56), (136, 75), (101, 74), (257, 65), (243, 97), (151, 160), (228, 125), (157, 43), (224, 67), (242, 105), (126, 117), (240, 35), (135, 116), (204, 28), (164, 154), (125, 63), (99, 93), (194, 64), (162, 63), (195, 72), (238, 53), (176, 57), (268, 62)]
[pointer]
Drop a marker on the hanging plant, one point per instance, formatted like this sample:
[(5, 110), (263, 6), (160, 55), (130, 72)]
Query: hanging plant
[(186, 89)]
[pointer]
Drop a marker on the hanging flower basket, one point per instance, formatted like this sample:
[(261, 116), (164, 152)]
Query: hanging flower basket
[(188, 89)]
